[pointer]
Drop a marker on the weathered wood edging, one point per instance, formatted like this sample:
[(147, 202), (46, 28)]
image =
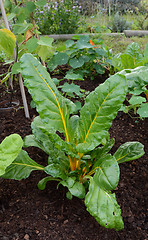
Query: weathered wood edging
[(127, 33)]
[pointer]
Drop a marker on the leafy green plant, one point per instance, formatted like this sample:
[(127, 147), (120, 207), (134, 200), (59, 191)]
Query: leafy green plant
[(79, 160), (84, 58), (59, 17), (131, 58), (137, 86), (119, 24)]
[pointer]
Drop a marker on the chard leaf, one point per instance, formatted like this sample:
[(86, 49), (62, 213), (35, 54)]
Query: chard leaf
[(100, 109), (102, 205), (75, 188), (100, 151), (129, 151), (143, 110), (107, 172), (53, 108), (21, 167), (55, 170), (9, 149), (51, 142), (42, 183)]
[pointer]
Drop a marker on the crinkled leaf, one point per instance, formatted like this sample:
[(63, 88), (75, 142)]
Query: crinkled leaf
[(106, 172), (55, 170), (75, 188), (101, 107), (9, 150), (100, 151), (53, 108), (102, 205), (21, 167), (129, 151)]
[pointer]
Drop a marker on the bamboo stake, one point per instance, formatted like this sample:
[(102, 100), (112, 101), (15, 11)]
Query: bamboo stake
[(26, 110)]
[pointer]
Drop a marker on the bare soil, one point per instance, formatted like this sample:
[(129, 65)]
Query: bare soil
[(30, 214)]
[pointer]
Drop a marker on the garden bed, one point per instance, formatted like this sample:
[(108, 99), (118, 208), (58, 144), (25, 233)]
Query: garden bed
[(28, 213)]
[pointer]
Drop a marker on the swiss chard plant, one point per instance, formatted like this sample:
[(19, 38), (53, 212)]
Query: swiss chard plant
[(131, 58), (137, 100), (78, 145), (83, 57)]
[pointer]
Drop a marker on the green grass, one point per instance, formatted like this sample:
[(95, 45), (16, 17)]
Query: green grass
[(120, 43)]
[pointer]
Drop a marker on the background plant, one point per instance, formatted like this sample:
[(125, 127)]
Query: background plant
[(59, 17), (86, 58), (137, 101)]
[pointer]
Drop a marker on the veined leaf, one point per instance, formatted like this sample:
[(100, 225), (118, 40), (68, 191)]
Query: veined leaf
[(49, 141), (54, 109), (21, 167), (100, 151), (102, 205), (9, 149), (75, 188), (7, 41), (129, 151), (101, 107), (107, 172)]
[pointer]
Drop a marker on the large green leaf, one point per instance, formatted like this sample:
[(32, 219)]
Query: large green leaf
[(127, 61), (54, 109), (102, 205), (7, 41), (129, 151), (100, 109), (21, 167), (107, 172), (9, 149), (136, 78), (100, 151), (143, 110), (49, 141), (75, 188), (134, 50)]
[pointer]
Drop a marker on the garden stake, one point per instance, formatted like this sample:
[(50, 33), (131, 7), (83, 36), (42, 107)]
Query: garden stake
[(14, 56)]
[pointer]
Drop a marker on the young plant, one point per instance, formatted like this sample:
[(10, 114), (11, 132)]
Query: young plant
[(80, 159), (84, 58), (137, 82), (131, 58)]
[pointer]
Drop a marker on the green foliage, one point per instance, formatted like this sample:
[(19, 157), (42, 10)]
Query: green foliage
[(137, 85), (119, 24), (7, 41), (85, 57), (9, 149), (59, 17), (131, 58), (80, 157)]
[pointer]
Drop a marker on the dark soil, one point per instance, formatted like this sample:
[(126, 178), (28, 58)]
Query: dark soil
[(30, 214)]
